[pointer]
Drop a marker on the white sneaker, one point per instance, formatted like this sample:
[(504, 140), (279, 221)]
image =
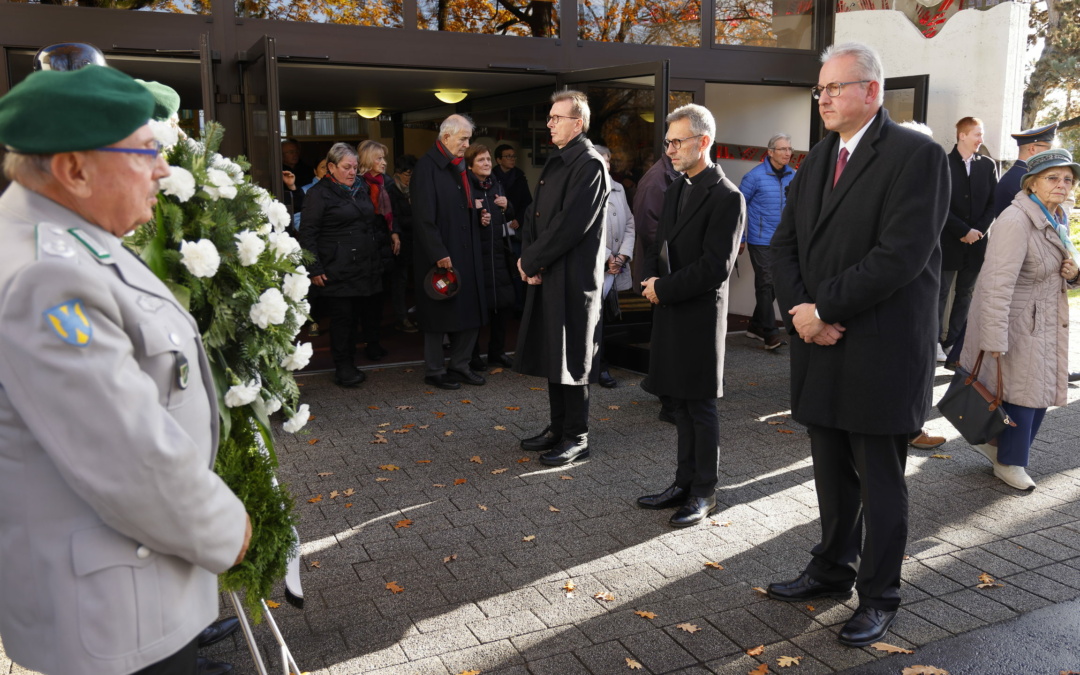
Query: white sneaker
[(941, 356), (989, 450), (1014, 476)]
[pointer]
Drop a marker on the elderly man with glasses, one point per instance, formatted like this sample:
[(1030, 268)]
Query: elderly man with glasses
[(114, 525), (765, 189)]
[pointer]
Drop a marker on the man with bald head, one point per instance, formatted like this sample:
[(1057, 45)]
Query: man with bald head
[(113, 525), (857, 258), (446, 234)]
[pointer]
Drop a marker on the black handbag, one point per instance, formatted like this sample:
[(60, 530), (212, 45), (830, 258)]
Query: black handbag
[(971, 407)]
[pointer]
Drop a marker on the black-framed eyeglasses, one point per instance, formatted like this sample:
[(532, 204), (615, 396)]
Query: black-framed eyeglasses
[(833, 89), (153, 153), (555, 119), (677, 142)]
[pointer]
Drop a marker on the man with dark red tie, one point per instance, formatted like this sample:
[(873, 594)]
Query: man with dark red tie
[(857, 259)]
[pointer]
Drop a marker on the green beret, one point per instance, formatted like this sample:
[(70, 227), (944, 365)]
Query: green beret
[(166, 100), (64, 111)]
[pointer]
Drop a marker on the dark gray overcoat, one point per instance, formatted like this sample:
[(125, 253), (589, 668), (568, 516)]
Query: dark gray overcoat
[(563, 241), (445, 225), (686, 357), (341, 230), (868, 253)]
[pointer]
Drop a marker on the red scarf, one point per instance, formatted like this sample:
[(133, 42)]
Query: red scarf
[(459, 165), (379, 198)]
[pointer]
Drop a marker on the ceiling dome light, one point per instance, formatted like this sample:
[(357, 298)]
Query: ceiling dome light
[(450, 95), (369, 113)]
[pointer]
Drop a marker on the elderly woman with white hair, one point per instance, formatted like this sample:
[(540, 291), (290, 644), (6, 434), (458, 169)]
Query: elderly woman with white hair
[(1019, 315)]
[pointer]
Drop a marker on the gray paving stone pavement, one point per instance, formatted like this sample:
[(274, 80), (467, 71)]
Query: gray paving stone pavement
[(485, 540)]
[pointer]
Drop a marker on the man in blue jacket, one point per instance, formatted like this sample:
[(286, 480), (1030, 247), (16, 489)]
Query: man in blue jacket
[(765, 188)]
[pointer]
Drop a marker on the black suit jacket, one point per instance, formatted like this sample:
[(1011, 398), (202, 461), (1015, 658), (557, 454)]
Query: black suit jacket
[(690, 323), (971, 207), (867, 253)]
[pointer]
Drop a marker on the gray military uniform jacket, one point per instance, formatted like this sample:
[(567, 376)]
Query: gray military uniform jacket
[(113, 524)]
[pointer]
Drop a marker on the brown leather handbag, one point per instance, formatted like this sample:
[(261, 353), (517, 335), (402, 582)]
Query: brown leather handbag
[(971, 407)]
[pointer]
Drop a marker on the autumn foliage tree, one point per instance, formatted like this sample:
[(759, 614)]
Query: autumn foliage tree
[(1058, 67)]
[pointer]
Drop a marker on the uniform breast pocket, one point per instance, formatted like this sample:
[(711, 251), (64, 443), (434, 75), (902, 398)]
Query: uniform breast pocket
[(117, 598), (171, 359)]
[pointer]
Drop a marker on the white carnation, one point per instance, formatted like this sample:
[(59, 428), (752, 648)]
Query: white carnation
[(179, 183), (228, 166), (249, 246), (282, 244), (297, 421), (201, 257), (221, 184), (270, 309), (296, 285), (278, 215), (165, 132), (242, 394), (273, 404), (299, 358)]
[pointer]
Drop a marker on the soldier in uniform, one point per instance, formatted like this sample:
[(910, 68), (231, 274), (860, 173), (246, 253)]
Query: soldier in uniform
[(113, 525), (1031, 142)]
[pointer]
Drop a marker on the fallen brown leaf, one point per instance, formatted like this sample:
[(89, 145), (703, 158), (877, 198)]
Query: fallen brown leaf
[(373, 407), (423, 461), (334, 494), (720, 523), (763, 668), (496, 472), (349, 492), (379, 439), (438, 485), (460, 481), (448, 432), (384, 424), (405, 522), (756, 651), (324, 474), (553, 509), (273, 605), (407, 426), (313, 441), (475, 459), (403, 407), (348, 505), (923, 670), (987, 581), (499, 427), (775, 422), (809, 608), (401, 431), (513, 407), (941, 456), (465, 400), (394, 588), (389, 467), (481, 507), (890, 649), (688, 627), (450, 558), (423, 426), (429, 392), (315, 563), (786, 661), (529, 538), (523, 460), (566, 478), (783, 431), (606, 597), (714, 565), (605, 419), (645, 614), (759, 589), (632, 664), (469, 672), (569, 587), (314, 500), (383, 480), (613, 407), (537, 388), (495, 371), (438, 414), (752, 384)]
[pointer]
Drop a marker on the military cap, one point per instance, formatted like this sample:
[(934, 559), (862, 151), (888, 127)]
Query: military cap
[(166, 100), (65, 111), (1041, 134), (1049, 159)]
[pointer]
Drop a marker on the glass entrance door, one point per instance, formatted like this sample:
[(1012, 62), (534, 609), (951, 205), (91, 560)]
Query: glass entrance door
[(262, 124)]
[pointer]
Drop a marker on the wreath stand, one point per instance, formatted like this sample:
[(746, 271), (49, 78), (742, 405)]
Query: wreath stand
[(288, 664)]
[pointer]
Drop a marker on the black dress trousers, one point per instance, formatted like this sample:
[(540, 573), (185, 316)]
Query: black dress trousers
[(699, 440), (569, 410)]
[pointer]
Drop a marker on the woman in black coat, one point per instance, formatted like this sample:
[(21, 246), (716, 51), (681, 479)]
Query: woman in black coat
[(495, 212), (338, 226)]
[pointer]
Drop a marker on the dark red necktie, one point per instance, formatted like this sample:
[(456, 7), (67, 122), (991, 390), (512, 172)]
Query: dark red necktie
[(841, 162)]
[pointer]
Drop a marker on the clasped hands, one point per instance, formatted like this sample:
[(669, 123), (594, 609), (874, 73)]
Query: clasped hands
[(812, 329), (532, 281)]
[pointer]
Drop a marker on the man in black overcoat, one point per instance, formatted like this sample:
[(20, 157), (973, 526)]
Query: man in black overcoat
[(971, 211), (857, 259), (686, 273), (562, 262), (446, 234)]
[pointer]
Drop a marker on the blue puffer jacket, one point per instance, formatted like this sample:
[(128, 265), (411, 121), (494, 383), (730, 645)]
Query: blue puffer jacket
[(766, 196)]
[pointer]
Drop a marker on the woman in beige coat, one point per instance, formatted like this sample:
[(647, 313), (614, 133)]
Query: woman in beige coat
[(1020, 311)]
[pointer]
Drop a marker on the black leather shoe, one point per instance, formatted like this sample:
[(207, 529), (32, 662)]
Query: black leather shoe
[(666, 416), (804, 587), (348, 376), (442, 382), (866, 626), (466, 377), (500, 360), (566, 452), (695, 510), (542, 442), (477, 364), (204, 666), (1074, 377), (669, 498), (218, 631), (607, 381)]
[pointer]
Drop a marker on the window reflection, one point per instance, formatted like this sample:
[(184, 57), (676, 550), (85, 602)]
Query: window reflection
[(765, 23), (536, 18), (675, 23), (170, 6), (378, 13)]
